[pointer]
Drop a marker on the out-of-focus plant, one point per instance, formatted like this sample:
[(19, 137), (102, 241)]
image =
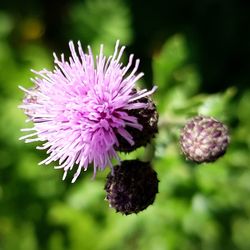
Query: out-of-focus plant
[(98, 22)]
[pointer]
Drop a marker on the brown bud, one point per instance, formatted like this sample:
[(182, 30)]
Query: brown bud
[(204, 139)]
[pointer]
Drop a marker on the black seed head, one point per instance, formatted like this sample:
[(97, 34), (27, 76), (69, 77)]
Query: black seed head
[(131, 187), (204, 139)]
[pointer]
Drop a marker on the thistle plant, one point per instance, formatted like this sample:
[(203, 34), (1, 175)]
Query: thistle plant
[(89, 108)]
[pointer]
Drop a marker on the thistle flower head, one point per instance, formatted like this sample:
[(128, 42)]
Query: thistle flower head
[(80, 108), (131, 187), (204, 139)]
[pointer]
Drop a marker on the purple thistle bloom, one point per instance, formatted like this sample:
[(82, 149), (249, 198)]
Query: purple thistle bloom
[(80, 107)]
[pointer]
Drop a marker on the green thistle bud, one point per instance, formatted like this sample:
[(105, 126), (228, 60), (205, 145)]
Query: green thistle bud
[(204, 139), (131, 187)]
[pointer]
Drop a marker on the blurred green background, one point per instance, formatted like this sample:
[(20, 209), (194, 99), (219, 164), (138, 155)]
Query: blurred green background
[(198, 53)]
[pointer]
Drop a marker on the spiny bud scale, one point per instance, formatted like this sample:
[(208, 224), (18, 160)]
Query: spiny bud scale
[(148, 118)]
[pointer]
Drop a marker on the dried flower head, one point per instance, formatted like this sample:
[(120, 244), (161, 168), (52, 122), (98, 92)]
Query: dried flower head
[(80, 108), (131, 187), (204, 139)]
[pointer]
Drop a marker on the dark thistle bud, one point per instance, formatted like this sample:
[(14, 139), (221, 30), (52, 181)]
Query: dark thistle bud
[(131, 187), (148, 118), (204, 139)]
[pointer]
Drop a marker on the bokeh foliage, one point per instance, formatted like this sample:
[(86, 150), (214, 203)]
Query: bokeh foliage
[(203, 207)]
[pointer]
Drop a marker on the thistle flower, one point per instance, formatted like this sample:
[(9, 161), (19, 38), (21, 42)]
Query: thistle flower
[(80, 108), (204, 139), (131, 187)]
